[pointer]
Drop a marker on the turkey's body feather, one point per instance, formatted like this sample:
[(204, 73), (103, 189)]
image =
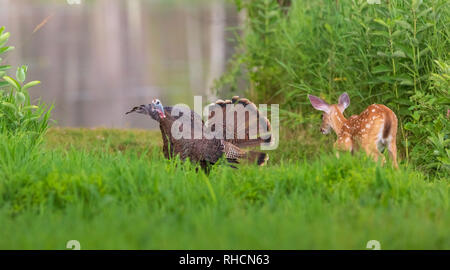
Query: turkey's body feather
[(197, 150)]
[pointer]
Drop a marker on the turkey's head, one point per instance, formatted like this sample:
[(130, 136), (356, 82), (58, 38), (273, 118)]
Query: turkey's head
[(155, 110), (158, 108)]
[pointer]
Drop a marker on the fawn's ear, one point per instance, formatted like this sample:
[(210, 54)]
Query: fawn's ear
[(344, 101), (319, 104)]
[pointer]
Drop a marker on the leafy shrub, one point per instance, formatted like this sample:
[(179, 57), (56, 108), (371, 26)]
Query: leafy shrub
[(378, 53), (429, 128), (18, 116)]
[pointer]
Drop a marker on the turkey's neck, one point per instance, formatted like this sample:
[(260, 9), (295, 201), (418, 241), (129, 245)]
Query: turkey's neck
[(166, 124)]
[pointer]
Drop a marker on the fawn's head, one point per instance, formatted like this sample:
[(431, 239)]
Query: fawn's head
[(329, 110)]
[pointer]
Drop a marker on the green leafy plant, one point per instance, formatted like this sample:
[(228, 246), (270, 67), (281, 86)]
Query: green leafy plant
[(3, 49), (18, 116), (429, 126)]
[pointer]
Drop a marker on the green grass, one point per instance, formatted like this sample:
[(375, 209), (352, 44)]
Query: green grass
[(112, 189)]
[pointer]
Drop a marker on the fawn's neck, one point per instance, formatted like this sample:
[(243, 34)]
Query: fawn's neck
[(337, 121)]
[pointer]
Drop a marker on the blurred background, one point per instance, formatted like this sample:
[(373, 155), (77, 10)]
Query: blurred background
[(98, 58)]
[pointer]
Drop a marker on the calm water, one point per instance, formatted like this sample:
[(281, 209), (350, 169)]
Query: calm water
[(101, 57)]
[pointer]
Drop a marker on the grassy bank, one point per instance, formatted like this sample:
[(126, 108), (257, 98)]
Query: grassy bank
[(130, 197)]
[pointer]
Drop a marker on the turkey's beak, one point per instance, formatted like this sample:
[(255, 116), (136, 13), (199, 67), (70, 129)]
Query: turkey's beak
[(138, 109)]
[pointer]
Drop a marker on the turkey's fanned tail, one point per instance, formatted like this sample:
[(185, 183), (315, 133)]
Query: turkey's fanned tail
[(248, 127)]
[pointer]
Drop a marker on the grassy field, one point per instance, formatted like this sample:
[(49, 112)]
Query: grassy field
[(112, 189)]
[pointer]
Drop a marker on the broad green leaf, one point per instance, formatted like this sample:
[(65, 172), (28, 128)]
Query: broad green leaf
[(409, 126), (12, 82), (380, 21), (399, 53), (406, 50), (404, 24), (397, 33), (382, 54), (30, 107), (381, 68), (6, 49), (408, 82), (30, 84), (5, 67), (4, 38), (272, 13), (404, 80)]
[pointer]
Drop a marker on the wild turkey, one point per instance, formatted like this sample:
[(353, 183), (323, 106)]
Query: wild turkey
[(208, 149)]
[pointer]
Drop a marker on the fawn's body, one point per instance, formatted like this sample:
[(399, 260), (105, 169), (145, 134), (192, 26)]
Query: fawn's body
[(373, 130)]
